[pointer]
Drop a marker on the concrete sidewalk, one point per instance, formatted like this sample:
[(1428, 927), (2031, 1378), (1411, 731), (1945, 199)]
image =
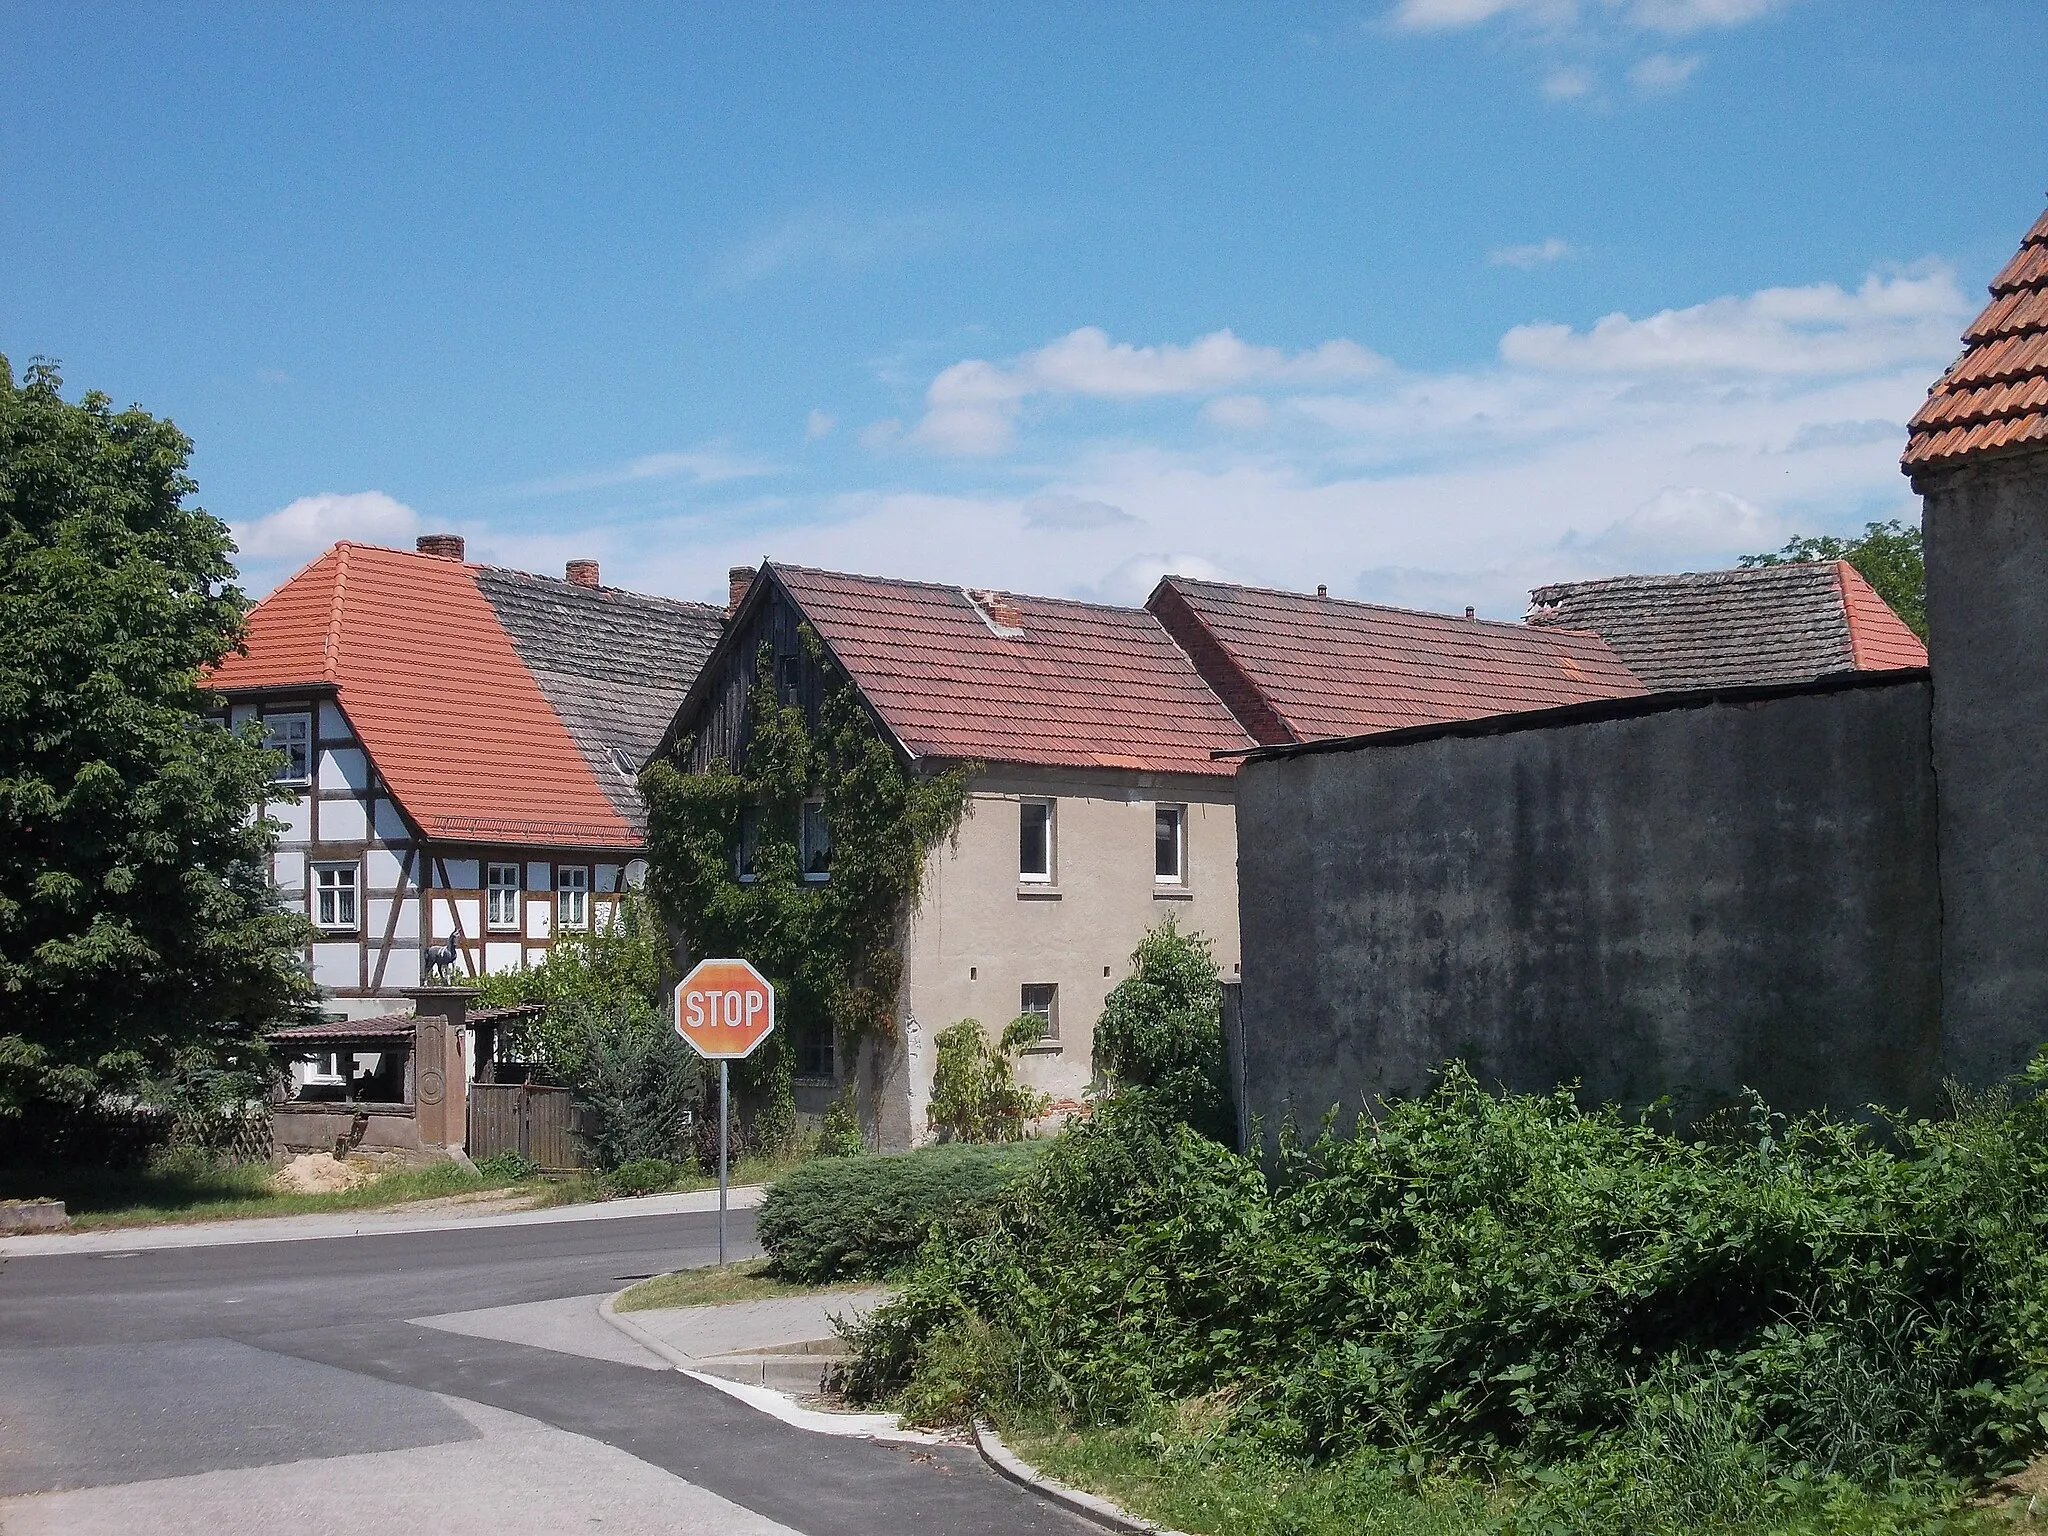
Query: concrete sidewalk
[(288, 1229), (785, 1341)]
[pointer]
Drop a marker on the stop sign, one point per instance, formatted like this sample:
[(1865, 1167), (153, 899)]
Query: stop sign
[(724, 1009)]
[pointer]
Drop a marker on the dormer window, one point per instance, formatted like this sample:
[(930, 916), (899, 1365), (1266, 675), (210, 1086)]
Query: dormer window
[(293, 736)]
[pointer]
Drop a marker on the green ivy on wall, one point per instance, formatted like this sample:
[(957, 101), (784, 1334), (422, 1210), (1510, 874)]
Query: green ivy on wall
[(831, 947)]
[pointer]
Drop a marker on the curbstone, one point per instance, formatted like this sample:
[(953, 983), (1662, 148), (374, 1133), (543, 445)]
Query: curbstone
[(33, 1216), (1089, 1506)]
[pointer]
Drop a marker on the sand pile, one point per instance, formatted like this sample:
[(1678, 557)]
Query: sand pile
[(317, 1173)]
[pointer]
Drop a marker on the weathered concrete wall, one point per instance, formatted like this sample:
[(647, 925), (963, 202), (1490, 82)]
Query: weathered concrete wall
[(1986, 527), (1655, 900)]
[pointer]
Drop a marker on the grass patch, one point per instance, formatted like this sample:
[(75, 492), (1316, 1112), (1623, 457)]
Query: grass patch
[(1209, 1486), (710, 1286)]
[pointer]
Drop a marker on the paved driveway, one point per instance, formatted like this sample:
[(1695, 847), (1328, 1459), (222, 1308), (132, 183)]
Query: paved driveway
[(280, 1387)]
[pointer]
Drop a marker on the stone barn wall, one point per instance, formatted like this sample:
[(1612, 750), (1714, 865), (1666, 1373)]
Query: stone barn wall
[(1686, 895)]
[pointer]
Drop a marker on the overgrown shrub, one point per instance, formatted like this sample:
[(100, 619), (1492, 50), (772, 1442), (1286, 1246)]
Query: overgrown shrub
[(1161, 1031), (841, 1218), (975, 1092), (1522, 1285), (637, 1091), (616, 971), (507, 1165), (644, 1176), (840, 1135)]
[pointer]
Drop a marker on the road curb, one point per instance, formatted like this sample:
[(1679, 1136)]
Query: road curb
[(1089, 1506), (777, 1405)]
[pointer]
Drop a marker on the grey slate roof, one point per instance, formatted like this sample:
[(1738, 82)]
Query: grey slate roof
[(614, 665), (1712, 629)]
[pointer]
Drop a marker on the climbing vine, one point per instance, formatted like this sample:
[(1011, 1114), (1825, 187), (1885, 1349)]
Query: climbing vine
[(831, 947)]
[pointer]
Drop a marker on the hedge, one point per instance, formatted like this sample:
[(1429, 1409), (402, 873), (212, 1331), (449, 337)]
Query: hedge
[(843, 1218)]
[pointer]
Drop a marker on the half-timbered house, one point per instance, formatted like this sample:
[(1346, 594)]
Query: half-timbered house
[(459, 749)]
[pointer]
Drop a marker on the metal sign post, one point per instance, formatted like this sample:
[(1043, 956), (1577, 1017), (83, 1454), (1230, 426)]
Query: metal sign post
[(724, 1009)]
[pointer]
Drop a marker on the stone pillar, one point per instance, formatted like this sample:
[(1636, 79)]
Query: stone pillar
[(1986, 530), (439, 1078)]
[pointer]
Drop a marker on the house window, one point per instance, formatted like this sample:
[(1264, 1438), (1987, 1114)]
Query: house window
[(502, 901), (749, 844), (1170, 845), (293, 736), (1034, 840), (1042, 1003), (334, 897), (572, 896), (814, 1052), (789, 671), (817, 842)]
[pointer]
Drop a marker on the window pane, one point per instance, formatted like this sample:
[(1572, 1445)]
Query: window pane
[(573, 884), (1034, 840), (1167, 825), (750, 842), (503, 910), (293, 736), (817, 841), (1041, 1002)]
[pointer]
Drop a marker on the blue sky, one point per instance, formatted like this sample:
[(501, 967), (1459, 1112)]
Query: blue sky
[(1429, 300)]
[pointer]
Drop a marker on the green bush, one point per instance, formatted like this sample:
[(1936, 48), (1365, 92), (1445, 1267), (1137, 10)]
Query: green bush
[(975, 1092), (1161, 1032), (507, 1165), (637, 1091), (644, 1176), (846, 1217), (1518, 1284)]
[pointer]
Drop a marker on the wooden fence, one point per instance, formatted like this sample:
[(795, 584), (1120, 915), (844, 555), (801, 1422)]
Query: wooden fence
[(536, 1122)]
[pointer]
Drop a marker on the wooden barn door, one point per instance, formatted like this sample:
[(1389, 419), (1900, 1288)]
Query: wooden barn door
[(536, 1122)]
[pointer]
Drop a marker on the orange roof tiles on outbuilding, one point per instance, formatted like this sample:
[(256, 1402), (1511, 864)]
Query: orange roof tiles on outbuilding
[(1001, 678), (1300, 668), (1995, 396), (451, 717)]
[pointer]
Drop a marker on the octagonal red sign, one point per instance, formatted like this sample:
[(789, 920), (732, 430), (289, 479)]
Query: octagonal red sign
[(724, 1008)]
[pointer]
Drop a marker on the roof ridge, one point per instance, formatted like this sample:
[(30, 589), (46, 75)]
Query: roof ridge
[(1512, 625), (624, 592), (331, 649), (960, 587)]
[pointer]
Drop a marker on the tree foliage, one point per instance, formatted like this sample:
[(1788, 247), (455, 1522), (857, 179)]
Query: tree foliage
[(1161, 1032), (620, 970), (1888, 556), (830, 947), (637, 1092), (137, 919), (975, 1092)]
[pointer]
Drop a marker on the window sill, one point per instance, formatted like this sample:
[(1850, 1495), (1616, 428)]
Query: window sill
[(1043, 1048), (1038, 893), (339, 933), (1172, 893)]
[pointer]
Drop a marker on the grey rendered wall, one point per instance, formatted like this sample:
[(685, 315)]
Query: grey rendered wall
[(1683, 903), (1986, 527)]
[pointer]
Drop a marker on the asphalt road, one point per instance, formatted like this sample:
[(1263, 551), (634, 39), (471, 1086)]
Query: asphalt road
[(178, 1370)]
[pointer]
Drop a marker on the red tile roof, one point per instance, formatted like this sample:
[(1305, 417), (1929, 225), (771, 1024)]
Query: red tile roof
[(1319, 667), (1083, 685), (1879, 640), (1995, 396), (452, 718)]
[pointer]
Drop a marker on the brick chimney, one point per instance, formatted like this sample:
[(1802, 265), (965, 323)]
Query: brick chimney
[(737, 579), (583, 573), (447, 545)]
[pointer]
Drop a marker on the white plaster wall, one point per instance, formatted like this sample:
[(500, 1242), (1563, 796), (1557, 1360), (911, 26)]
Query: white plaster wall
[(499, 958), (540, 919), (607, 877), (407, 924), (980, 935), (288, 871), (241, 714), (390, 826), (344, 821), (338, 965), (343, 768), (382, 868), (466, 908), (540, 877), (464, 874), (401, 968), (296, 818)]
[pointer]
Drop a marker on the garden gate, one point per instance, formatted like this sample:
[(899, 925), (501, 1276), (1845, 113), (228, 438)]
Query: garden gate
[(536, 1121)]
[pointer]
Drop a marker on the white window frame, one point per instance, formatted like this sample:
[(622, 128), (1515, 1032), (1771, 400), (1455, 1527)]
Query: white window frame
[(327, 1069), (501, 897), (813, 811), (1180, 844), (1044, 876), (336, 902), (1050, 1012), (279, 736), (572, 897)]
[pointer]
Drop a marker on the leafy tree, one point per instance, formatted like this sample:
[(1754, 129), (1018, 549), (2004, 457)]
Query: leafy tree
[(620, 969), (137, 920), (1887, 556), (639, 1086), (1161, 1031), (975, 1092)]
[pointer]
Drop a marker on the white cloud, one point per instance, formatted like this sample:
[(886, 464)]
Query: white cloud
[(1668, 16), (819, 424), (1662, 73), (711, 464), (1072, 512), (302, 529), (1529, 257), (1569, 84), (1241, 413), (972, 407), (1681, 523), (1818, 329), (826, 236)]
